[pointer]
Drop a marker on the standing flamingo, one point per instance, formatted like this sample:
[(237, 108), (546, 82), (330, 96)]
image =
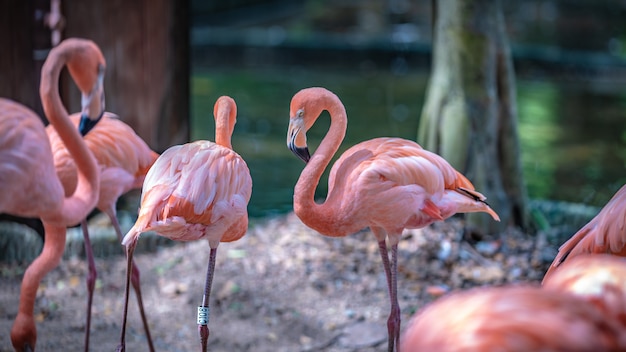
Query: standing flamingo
[(28, 181), (124, 159), (193, 191), (597, 278), (513, 319), (605, 233), (386, 184)]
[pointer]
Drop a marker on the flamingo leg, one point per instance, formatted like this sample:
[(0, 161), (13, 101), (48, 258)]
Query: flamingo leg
[(92, 275), (24, 331), (203, 310), (134, 279), (130, 248), (391, 272)]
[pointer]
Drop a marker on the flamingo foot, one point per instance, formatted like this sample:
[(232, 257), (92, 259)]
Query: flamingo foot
[(393, 328), (203, 331)]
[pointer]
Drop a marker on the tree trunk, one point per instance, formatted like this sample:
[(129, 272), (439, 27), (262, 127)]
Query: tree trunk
[(470, 114)]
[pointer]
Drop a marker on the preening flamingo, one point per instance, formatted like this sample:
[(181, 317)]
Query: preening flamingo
[(512, 319), (28, 181), (605, 233), (597, 278), (386, 184), (124, 159), (193, 191)]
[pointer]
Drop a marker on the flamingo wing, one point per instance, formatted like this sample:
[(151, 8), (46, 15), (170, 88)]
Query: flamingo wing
[(402, 161), (115, 144)]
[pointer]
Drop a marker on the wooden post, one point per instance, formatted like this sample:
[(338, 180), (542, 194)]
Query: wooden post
[(22, 36), (146, 46)]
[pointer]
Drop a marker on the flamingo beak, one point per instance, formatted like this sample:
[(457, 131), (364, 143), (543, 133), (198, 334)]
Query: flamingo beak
[(302, 153), (87, 124), (295, 137)]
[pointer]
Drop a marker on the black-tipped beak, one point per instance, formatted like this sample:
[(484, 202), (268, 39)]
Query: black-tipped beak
[(87, 124), (302, 153)]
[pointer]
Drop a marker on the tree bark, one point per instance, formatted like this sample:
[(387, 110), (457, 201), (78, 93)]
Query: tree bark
[(470, 114)]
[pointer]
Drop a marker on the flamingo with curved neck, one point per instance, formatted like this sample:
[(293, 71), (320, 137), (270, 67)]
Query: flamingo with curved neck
[(28, 179), (386, 184)]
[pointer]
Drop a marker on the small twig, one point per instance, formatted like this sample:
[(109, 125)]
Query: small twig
[(540, 243), (476, 255), (322, 345)]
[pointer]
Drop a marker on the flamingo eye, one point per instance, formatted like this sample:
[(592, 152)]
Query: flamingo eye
[(300, 113)]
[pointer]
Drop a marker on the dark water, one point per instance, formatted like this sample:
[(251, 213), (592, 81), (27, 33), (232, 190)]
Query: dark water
[(573, 134)]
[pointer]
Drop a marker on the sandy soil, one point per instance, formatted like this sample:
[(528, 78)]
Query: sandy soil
[(283, 287)]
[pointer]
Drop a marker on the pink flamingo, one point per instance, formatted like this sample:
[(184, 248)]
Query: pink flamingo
[(124, 159), (386, 184), (193, 191), (28, 181), (605, 233), (514, 319)]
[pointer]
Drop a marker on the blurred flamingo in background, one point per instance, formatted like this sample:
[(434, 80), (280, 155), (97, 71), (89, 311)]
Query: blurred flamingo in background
[(386, 184), (597, 278), (28, 182), (193, 191), (605, 233), (124, 159), (512, 319)]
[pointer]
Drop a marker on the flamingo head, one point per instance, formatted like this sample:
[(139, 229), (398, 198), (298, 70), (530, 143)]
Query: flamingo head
[(296, 136), (306, 107), (92, 103), (87, 66)]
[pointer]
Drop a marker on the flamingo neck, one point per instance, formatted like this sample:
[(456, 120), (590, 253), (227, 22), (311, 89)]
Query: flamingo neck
[(321, 217), (48, 259), (76, 207), (222, 131)]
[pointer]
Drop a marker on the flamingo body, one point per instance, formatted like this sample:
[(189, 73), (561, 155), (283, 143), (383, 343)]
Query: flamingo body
[(194, 191), (386, 184), (372, 175), (25, 156), (512, 319), (122, 156), (605, 233)]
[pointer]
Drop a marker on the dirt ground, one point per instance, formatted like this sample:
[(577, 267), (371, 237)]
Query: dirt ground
[(283, 287)]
